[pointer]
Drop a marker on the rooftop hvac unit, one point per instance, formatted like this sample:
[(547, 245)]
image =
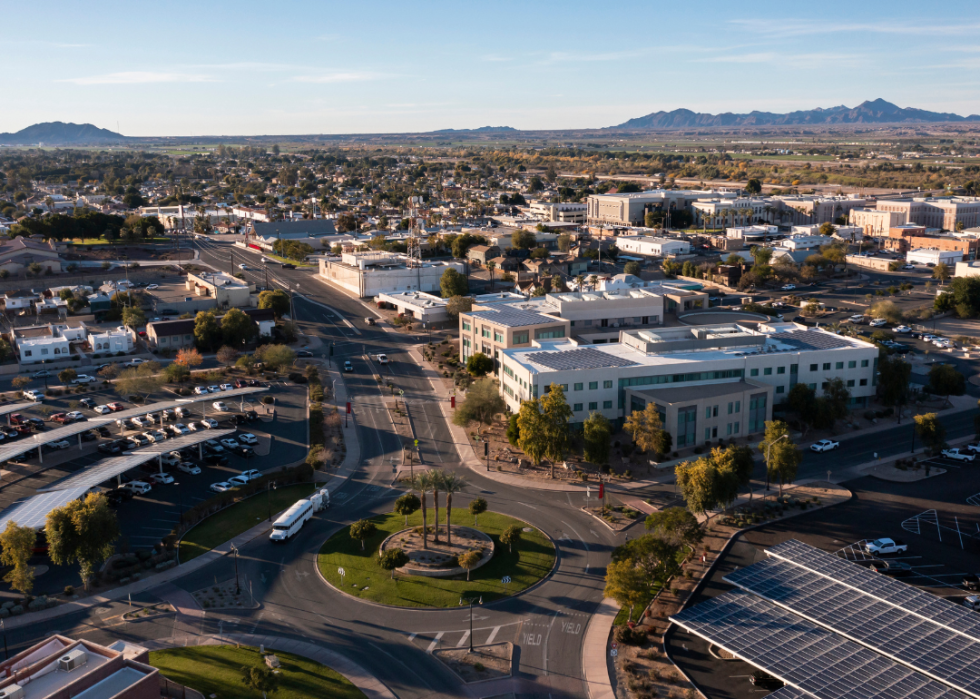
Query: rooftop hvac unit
[(75, 659), (13, 691)]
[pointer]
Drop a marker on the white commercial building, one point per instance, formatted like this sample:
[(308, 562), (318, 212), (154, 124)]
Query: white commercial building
[(760, 233), (709, 382), (226, 290), (629, 209), (565, 212), (651, 246), (418, 305), (804, 242), (368, 274), (924, 256), (113, 341)]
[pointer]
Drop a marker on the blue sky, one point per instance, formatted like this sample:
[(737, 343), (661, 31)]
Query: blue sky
[(234, 68)]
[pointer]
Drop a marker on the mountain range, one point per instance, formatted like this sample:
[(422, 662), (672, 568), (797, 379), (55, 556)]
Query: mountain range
[(876, 111), (58, 133)]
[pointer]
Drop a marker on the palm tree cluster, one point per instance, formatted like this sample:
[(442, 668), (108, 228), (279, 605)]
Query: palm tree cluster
[(436, 482)]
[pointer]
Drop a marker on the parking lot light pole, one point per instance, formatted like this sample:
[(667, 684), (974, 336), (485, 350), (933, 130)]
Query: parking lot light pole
[(238, 588), (768, 448), (268, 497)]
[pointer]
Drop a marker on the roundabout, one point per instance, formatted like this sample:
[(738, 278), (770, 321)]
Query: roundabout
[(503, 571)]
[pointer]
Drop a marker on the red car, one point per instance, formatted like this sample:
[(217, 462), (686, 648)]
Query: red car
[(16, 419), (239, 383), (61, 417), (23, 429), (115, 407)]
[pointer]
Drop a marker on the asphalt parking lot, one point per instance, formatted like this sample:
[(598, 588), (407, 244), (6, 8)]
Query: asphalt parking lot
[(939, 519), (146, 519)]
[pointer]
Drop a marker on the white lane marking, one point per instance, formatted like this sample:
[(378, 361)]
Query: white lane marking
[(466, 635), (435, 641), (351, 326), (493, 635), (411, 637)]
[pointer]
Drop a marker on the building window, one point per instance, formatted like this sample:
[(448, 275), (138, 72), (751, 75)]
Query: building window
[(467, 326), (520, 338), (729, 430), (686, 426), (738, 406), (757, 412), (564, 387), (44, 351), (707, 433), (864, 382), (826, 366), (850, 383), (738, 426), (731, 408), (813, 367), (812, 386), (485, 332), (27, 353), (593, 385), (549, 334), (498, 337), (607, 384), (607, 405), (852, 364), (707, 411), (508, 371), (753, 372), (839, 365), (780, 370), (578, 387), (767, 371), (864, 363), (577, 408), (593, 406), (794, 369), (780, 389)]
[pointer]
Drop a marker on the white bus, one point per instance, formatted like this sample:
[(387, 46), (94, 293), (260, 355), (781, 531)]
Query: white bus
[(291, 521)]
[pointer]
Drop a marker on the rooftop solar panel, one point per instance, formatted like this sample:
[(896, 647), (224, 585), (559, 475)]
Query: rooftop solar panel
[(582, 358), (14, 407), (513, 317), (812, 660), (33, 512), (811, 340)]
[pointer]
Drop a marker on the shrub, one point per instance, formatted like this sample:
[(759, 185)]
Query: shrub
[(629, 637), (268, 400)]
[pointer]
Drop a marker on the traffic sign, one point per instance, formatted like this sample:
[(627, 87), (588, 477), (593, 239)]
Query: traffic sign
[(506, 579), (341, 572), (416, 442)]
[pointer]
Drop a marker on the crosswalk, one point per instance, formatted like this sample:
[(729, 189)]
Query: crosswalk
[(482, 636)]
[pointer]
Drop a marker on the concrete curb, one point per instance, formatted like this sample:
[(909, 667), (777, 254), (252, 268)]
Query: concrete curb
[(595, 667), (372, 687)]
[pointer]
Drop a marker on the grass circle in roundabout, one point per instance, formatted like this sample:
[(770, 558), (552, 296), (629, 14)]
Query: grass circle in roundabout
[(532, 559)]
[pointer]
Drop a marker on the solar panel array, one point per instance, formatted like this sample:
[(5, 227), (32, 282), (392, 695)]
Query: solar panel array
[(811, 339), (806, 656), (790, 692), (513, 317), (14, 407), (583, 358), (34, 511)]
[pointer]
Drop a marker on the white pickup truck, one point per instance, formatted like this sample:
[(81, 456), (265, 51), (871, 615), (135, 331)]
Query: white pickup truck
[(958, 455), (882, 546)]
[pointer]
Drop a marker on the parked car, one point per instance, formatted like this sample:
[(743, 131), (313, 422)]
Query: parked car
[(303, 354), (194, 426), (884, 545), (180, 428), (369, 321), (117, 496), (237, 481), (903, 329), (288, 265), (907, 267), (971, 581), (382, 359), (348, 366), (878, 322), (89, 436), (250, 416), (83, 379), (958, 455), (43, 374), (162, 478), (116, 407), (243, 267), (214, 389), (225, 387), (110, 448), (248, 438), (251, 474), (33, 395), (181, 412), (972, 602), (221, 487), (789, 287), (75, 415), (209, 423), (201, 390), (220, 406), (138, 487), (243, 451), (60, 417), (87, 402), (102, 409), (856, 318), (213, 447), (824, 445), (229, 443), (60, 444), (135, 361), (189, 467), (216, 459)]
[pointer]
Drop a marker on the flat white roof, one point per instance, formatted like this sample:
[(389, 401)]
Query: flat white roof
[(14, 407), (33, 512)]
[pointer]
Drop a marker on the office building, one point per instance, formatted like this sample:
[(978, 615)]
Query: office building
[(651, 246), (935, 212), (564, 212), (736, 372), (367, 274), (630, 209), (420, 306), (876, 222)]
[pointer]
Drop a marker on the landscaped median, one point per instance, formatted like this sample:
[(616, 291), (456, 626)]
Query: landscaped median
[(218, 671), (532, 559), (238, 518)]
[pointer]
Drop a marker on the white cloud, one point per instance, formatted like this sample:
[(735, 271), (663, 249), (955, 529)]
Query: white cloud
[(577, 57), (339, 77), (800, 27), (138, 78)]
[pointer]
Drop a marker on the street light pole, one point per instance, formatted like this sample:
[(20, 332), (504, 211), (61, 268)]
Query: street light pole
[(238, 588), (768, 448)]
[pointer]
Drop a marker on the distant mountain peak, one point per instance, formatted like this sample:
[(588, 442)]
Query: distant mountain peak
[(61, 134), (876, 111), (482, 129)]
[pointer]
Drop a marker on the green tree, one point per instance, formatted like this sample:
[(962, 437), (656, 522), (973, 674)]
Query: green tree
[(632, 267), (362, 530), (627, 584), (392, 559), (469, 561), (675, 525), (276, 357), (931, 430), (18, 546), (887, 310), (423, 484), (946, 381), (698, 483), (656, 556), (452, 283), (481, 404), (531, 424), (523, 240), (837, 397), (597, 432), (260, 679), (176, 373), (207, 333), (276, 300), (459, 304), (556, 413), (477, 507), (736, 462), (941, 272), (511, 535), (783, 458), (646, 429), (753, 187), (189, 357), (893, 382), (142, 381), (827, 229), (66, 376), (83, 532), (237, 328), (407, 504), (564, 242), (479, 364), (133, 318), (451, 484), (513, 430)]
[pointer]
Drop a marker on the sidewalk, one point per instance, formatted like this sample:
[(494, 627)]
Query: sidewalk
[(372, 687), (595, 665)]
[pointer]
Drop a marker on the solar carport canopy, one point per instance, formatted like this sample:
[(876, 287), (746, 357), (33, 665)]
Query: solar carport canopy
[(832, 629), (14, 407), (34, 511), (117, 465)]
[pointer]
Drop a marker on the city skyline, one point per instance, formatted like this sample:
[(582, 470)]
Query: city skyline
[(220, 70)]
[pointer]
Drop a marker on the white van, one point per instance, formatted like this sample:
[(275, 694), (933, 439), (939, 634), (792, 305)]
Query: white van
[(291, 521)]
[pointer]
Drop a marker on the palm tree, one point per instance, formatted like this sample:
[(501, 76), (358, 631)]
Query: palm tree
[(423, 483), (435, 483), (451, 483), (579, 281), (491, 265), (593, 280)]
